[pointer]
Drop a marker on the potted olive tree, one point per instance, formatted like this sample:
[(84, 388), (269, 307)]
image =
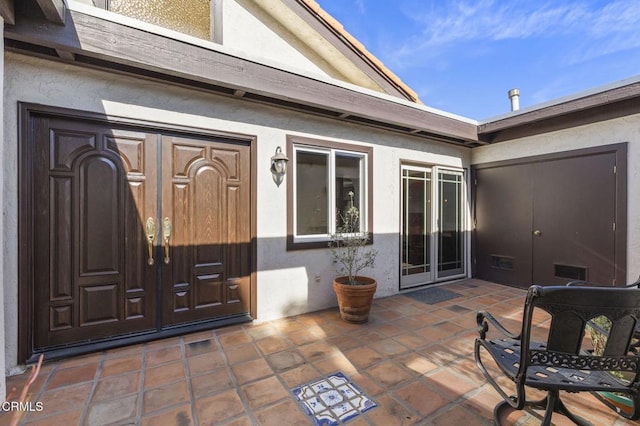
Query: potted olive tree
[(350, 252)]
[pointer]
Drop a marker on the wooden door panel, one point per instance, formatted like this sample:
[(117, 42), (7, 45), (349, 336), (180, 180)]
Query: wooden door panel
[(206, 196), (88, 238)]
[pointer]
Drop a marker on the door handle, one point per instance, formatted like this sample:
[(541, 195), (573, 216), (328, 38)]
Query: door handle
[(166, 234), (537, 232), (151, 235)]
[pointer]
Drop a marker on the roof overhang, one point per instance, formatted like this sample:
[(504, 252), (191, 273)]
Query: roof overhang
[(603, 103), (115, 44)]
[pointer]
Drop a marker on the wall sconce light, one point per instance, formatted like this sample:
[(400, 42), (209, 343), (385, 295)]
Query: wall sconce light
[(279, 166)]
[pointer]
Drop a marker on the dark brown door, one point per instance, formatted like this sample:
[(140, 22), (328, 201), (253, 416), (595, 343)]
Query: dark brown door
[(547, 222), (121, 246), (91, 186), (573, 234), (503, 214), (205, 199)]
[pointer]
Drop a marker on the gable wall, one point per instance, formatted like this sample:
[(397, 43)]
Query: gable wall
[(625, 129), (286, 281), (244, 29)]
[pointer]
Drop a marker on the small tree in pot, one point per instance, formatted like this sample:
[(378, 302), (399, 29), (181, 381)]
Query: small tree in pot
[(349, 250)]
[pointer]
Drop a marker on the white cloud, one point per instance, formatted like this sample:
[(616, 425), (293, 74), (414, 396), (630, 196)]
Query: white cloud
[(613, 27)]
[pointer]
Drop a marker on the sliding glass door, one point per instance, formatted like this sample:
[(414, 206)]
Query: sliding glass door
[(433, 223)]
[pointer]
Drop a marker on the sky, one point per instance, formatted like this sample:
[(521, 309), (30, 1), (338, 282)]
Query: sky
[(463, 56)]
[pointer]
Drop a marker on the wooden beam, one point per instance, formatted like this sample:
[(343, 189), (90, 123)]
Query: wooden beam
[(8, 12), (116, 43), (66, 55), (54, 10)]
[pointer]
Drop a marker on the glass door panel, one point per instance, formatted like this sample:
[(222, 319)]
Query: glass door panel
[(433, 238), (416, 235), (451, 225)]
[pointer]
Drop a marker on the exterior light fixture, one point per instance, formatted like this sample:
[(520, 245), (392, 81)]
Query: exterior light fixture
[(279, 166)]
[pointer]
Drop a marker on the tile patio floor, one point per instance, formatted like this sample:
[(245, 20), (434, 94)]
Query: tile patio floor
[(415, 360)]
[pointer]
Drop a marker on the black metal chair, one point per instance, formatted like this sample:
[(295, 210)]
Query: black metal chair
[(561, 363)]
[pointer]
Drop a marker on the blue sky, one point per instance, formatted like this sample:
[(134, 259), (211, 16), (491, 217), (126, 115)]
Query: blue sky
[(463, 56)]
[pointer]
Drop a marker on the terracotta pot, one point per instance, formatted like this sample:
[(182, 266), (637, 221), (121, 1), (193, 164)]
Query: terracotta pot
[(354, 301)]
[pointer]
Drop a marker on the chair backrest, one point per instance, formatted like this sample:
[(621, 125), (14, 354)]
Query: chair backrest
[(571, 308)]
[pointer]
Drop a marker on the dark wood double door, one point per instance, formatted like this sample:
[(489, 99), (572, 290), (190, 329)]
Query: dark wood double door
[(550, 220), (130, 232)]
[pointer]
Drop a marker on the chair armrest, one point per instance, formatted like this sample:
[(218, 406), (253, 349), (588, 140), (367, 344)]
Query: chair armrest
[(483, 319)]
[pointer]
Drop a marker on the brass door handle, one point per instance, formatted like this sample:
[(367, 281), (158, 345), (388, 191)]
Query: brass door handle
[(166, 234), (537, 232), (151, 235)]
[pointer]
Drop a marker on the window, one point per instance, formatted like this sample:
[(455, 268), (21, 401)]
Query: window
[(193, 17), (324, 181)]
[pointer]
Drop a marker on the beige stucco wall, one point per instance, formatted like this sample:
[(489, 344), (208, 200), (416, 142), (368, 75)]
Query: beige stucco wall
[(286, 281), (626, 129)]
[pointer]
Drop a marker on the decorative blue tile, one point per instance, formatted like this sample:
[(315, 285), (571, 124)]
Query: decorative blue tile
[(332, 401)]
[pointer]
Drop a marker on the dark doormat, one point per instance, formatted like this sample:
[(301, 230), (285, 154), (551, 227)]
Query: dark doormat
[(432, 296)]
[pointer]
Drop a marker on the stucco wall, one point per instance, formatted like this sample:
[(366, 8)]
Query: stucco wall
[(286, 281), (626, 129), (244, 29)]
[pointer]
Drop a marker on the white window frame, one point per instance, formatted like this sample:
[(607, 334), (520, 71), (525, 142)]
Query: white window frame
[(331, 191)]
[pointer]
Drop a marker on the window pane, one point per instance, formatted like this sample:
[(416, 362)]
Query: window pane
[(348, 188), (416, 204), (312, 204), (451, 238), (186, 16)]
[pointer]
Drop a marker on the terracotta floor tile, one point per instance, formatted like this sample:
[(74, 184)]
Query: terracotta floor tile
[(179, 416), (164, 396), (68, 398), (236, 338), (417, 363), (364, 357), (451, 384), (337, 362), (263, 392), (389, 374), (317, 351), (205, 363), (415, 360), (114, 366), (273, 416), (251, 370), (285, 360), (164, 343), (65, 418), (206, 384), (200, 347), (113, 387), (242, 353), (72, 375), (163, 374), (344, 343), (300, 375), (113, 411), (304, 336), (391, 412), (459, 416), (215, 409), (388, 347), (273, 344), (163, 355), (420, 398), (198, 336)]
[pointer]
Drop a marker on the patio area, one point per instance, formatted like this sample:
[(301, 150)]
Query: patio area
[(411, 364)]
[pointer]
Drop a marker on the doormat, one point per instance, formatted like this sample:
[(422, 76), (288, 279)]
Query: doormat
[(332, 401), (432, 296)]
